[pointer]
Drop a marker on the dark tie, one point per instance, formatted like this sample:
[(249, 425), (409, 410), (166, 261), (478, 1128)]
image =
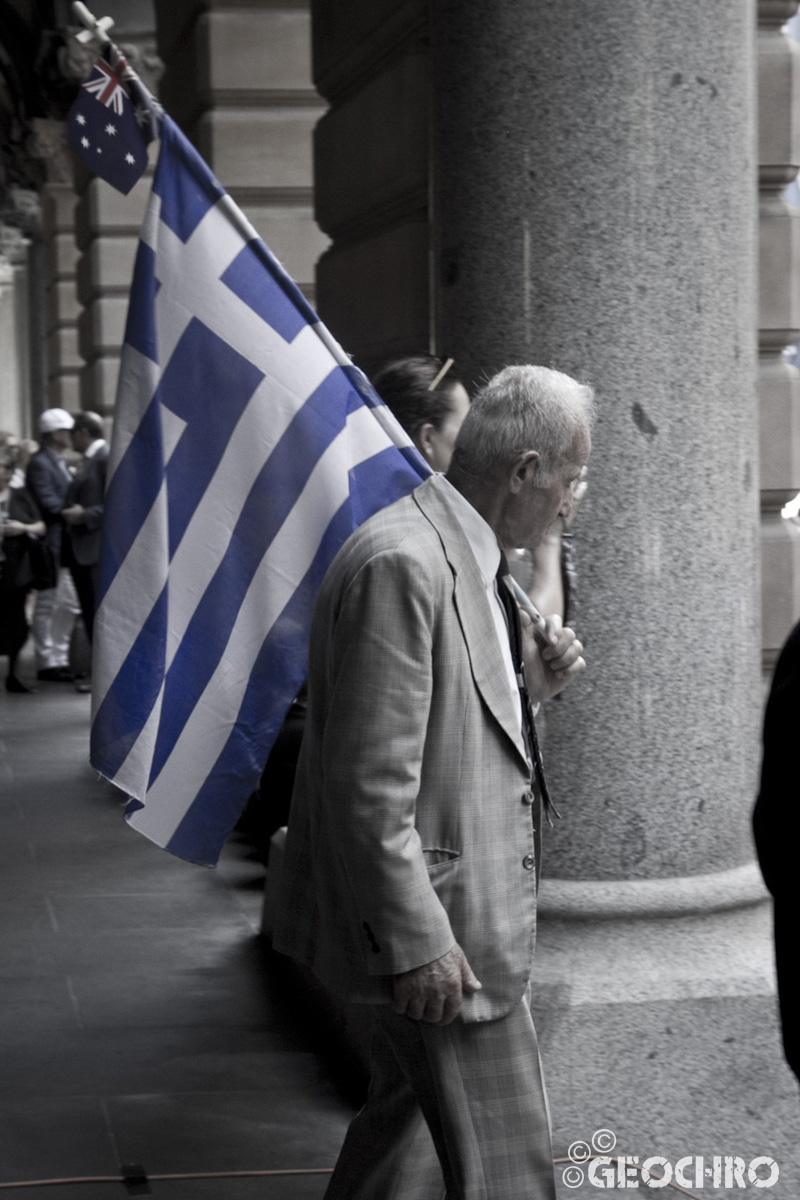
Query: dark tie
[(528, 723)]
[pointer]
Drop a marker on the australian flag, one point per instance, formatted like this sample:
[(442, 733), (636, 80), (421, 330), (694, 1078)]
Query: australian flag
[(246, 449), (112, 121)]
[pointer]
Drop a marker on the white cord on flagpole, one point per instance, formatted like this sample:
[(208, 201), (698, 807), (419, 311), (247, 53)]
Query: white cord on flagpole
[(95, 30)]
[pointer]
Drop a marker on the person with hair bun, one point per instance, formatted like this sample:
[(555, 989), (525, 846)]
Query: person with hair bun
[(429, 401)]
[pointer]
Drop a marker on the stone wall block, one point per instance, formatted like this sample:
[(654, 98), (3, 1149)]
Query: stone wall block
[(292, 235), (104, 210), (353, 41), (63, 353), (266, 49), (390, 117), (64, 391), (62, 305), (371, 320), (98, 384), (61, 256), (102, 327), (58, 208), (258, 148), (107, 267), (779, 266), (778, 104)]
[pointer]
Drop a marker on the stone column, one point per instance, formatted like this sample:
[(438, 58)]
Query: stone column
[(594, 210), (779, 320), (238, 81), (60, 253), (19, 351), (12, 410)]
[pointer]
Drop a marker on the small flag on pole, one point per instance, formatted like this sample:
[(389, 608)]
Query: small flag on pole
[(246, 449), (112, 120)]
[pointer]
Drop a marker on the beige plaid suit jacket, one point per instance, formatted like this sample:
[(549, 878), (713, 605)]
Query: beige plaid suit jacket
[(410, 827)]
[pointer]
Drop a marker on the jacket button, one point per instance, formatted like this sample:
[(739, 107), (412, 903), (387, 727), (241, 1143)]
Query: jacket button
[(527, 797), (529, 862)]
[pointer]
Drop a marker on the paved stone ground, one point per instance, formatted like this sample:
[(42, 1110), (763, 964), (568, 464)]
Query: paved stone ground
[(141, 1018)]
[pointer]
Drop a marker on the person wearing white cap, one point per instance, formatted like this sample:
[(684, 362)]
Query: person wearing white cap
[(57, 608)]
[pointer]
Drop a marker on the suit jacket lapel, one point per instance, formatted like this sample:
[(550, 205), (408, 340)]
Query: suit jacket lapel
[(472, 606)]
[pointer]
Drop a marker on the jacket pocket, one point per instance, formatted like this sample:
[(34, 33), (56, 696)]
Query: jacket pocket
[(437, 857)]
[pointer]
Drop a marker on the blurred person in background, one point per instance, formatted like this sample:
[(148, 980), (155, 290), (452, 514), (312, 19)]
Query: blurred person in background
[(21, 527), (24, 451), (48, 479), (83, 513)]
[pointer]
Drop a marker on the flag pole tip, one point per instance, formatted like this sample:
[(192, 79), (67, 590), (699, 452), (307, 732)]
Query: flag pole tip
[(94, 28)]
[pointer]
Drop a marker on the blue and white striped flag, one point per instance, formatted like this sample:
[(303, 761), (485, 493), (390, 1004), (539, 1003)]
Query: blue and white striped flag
[(246, 449)]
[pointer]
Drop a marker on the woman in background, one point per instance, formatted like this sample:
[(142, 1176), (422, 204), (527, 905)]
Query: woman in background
[(20, 523), (428, 401)]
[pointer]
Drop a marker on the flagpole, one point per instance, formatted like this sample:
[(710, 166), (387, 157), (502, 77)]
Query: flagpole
[(95, 30)]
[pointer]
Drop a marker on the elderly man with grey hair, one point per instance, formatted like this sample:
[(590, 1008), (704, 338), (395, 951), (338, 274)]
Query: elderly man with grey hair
[(411, 866)]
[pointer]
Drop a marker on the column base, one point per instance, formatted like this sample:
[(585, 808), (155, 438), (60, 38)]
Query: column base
[(656, 1012)]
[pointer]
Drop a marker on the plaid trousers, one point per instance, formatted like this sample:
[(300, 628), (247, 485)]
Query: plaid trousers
[(454, 1112)]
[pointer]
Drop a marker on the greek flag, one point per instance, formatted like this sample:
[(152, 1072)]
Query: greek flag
[(246, 449)]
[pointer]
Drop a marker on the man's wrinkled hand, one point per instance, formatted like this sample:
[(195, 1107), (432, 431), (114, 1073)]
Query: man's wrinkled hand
[(550, 667), (434, 991)]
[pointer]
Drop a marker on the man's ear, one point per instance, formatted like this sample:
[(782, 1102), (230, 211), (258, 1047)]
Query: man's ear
[(522, 468)]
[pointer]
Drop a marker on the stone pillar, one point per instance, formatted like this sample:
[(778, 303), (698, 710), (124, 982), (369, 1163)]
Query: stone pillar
[(18, 281), (371, 176), (238, 81), (779, 320), (12, 409), (60, 253), (594, 210)]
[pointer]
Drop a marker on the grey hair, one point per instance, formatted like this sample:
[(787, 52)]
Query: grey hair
[(522, 408)]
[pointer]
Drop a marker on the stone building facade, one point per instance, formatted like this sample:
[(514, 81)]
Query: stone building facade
[(597, 187)]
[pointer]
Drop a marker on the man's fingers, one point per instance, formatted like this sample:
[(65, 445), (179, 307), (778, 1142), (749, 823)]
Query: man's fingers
[(434, 991), (554, 629), (434, 1009), (469, 981), (573, 669), (416, 1008), (452, 1007), (560, 662)]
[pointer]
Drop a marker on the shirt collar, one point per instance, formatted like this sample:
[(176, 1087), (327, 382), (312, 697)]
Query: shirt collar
[(480, 535), (92, 449)]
